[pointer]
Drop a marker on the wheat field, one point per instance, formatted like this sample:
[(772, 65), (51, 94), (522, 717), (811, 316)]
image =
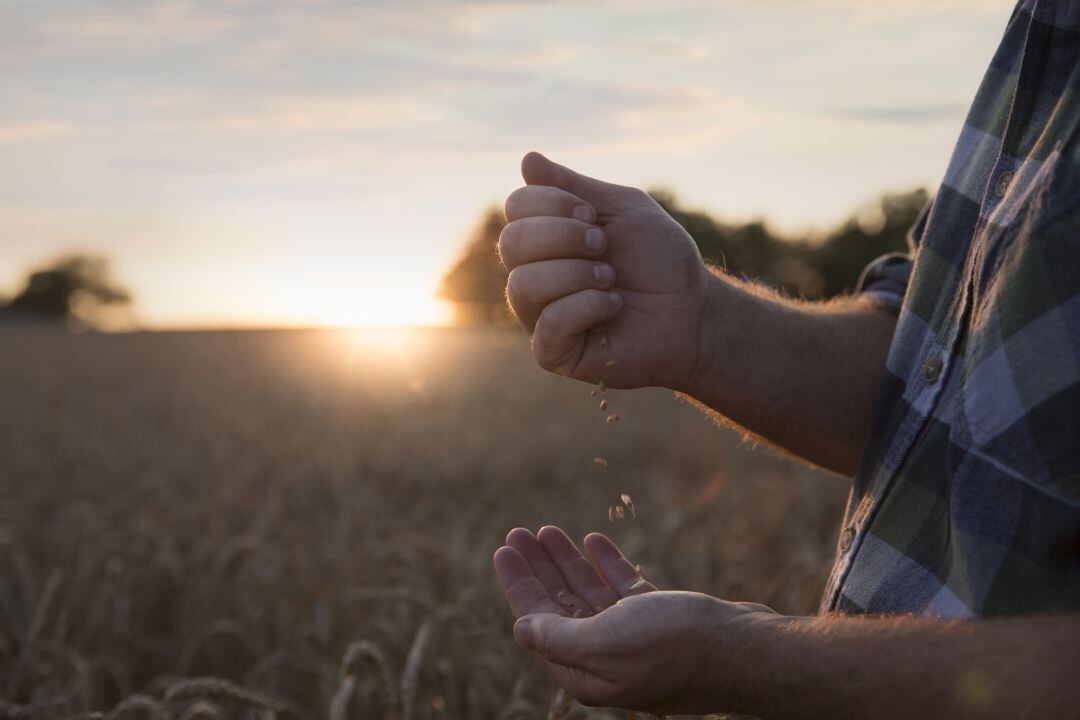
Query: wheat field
[(300, 523)]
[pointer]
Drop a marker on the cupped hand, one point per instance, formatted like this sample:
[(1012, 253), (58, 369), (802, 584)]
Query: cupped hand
[(609, 637), (608, 285)]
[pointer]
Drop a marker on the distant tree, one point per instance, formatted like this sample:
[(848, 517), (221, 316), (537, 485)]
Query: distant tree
[(476, 281), (74, 288), (813, 268), (879, 228), (809, 267)]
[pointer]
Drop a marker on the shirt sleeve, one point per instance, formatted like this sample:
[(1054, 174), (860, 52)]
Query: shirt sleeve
[(885, 280)]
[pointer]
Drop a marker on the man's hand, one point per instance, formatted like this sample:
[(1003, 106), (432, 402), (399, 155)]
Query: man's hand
[(585, 255), (611, 288), (642, 649), (679, 652)]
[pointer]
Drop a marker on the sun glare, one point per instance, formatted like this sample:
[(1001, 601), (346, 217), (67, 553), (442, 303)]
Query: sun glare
[(336, 306)]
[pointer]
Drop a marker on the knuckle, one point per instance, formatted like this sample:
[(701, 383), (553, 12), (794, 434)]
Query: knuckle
[(514, 204), (507, 245), (545, 343), (517, 285)]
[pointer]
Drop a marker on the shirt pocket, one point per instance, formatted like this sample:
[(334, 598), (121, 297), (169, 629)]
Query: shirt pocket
[(1021, 389), (1035, 198)]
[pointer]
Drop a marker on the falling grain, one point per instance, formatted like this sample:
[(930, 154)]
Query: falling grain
[(601, 387), (611, 363), (602, 462), (603, 405), (613, 418)]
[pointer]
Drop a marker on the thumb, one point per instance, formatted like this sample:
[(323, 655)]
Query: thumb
[(538, 170), (556, 638)]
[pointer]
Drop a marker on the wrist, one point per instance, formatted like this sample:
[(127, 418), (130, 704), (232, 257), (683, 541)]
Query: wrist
[(722, 337), (741, 643)]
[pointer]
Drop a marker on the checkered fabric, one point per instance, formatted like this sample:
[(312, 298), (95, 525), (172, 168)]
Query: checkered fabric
[(967, 497)]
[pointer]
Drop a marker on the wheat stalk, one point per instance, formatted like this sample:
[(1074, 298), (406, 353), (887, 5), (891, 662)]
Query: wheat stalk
[(204, 710), (136, 705), (357, 652), (560, 705), (221, 689), (518, 709), (411, 674)]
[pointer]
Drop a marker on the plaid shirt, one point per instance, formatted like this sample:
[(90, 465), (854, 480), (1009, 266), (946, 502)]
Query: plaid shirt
[(967, 497)]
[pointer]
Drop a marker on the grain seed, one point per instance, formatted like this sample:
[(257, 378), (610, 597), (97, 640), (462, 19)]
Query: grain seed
[(601, 386), (603, 404), (611, 363), (613, 418), (600, 461)]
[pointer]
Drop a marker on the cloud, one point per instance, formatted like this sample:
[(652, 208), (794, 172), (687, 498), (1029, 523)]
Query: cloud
[(902, 113), (22, 132)]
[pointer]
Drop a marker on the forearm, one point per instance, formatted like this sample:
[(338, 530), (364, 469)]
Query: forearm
[(802, 376), (910, 667)]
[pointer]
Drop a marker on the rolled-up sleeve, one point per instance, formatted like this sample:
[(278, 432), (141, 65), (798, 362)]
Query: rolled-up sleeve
[(885, 280)]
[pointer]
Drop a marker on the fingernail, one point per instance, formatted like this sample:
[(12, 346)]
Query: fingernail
[(523, 632), (616, 298), (604, 274), (594, 239), (584, 213)]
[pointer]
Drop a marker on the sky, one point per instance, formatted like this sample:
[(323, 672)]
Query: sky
[(294, 162)]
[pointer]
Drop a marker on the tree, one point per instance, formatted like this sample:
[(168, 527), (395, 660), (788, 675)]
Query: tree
[(476, 282), (73, 289), (813, 268)]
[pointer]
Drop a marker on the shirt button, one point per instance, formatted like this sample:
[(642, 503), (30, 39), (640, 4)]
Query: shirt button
[(931, 369), (1003, 183), (846, 538)]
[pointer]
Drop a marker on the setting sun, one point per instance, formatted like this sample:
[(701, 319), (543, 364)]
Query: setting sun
[(378, 306)]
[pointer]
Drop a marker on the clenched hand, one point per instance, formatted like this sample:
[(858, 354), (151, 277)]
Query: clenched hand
[(584, 255)]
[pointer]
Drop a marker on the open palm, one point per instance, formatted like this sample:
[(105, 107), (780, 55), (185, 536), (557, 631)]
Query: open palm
[(607, 635)]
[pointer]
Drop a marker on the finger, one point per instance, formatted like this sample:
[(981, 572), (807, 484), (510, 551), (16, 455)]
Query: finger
[(560, 640), (618, 572), (578, 572), (548, 238), (605, 197), (558, 337), (531, 286), (530, 548), (542, 200), (524, 591)]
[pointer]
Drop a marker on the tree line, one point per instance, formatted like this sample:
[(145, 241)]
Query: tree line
[(814, 268)]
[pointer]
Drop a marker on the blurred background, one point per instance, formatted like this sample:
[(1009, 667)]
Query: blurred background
[(288, 163), (263, 415)]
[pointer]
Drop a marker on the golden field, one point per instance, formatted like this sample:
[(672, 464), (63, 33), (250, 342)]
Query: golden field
[(256, 506)]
